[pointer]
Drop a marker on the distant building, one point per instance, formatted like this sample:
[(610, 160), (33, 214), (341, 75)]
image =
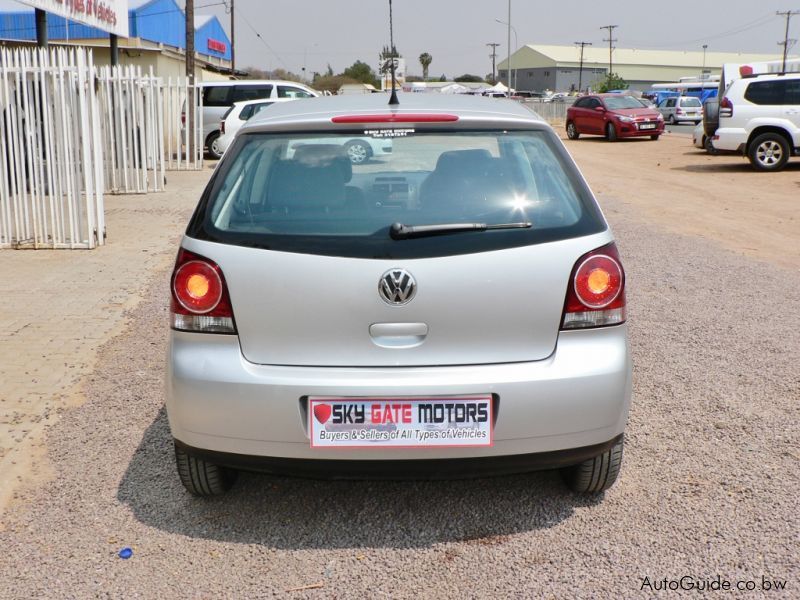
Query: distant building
[(357, 88), (157, 38), (543, 67)]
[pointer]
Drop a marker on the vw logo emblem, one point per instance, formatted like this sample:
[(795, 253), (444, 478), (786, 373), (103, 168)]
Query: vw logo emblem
[(397, 287)]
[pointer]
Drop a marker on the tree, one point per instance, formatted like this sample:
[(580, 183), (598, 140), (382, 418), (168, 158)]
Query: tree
[(255, 73), (285, 75), (467, 78), (331, 83), (361, 71), (425, 60), (611, 82), (443, 78)]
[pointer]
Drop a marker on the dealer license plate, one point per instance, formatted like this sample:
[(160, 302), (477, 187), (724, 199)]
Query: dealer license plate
[(458, 421), (647, 125)]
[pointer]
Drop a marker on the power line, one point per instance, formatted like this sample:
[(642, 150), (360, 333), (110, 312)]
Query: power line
[(760, 22), (610, 41), (263, 41), (788, 14)]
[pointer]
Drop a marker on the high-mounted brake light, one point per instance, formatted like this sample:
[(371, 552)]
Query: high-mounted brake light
[(745, 71), (200, 300), (396, 118), (596, 295)]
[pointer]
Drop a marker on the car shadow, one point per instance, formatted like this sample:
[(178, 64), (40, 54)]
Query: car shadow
[(729, 167), (289, 513), (601, 139)]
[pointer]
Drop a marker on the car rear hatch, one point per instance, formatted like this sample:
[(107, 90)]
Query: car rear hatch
[(323, 282), (490, 307)]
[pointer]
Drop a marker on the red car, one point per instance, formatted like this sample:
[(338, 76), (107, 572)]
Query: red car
[(613, 116)]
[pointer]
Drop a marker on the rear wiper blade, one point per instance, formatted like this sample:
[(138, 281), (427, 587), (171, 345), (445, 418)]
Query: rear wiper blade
[(398, 231)]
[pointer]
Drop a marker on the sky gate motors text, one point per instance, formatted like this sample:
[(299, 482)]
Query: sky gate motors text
[(426, 412)]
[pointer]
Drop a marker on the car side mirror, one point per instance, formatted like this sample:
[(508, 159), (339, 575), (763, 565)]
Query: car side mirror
[(600, 109)]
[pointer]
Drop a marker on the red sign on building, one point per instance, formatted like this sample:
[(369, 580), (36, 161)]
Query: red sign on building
[(217, 46)]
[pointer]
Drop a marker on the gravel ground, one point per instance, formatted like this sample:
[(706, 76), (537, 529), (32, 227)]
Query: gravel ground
[(708, 487)]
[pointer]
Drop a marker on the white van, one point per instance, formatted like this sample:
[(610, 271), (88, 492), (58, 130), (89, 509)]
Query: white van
[(219, 96)]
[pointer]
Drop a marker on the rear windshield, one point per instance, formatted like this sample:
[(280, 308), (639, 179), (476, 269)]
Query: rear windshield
[(339, 194), (693, 102)]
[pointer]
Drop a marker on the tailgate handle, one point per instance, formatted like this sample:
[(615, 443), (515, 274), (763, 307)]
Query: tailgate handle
[(398, 335)]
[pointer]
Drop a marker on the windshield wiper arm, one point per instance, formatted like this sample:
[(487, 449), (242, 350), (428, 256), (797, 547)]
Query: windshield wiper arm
[(398, 231)]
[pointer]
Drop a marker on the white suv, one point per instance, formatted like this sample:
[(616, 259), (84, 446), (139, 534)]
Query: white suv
[(759, 117)]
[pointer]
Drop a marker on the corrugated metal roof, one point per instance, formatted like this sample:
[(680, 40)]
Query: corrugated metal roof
[(633, 56), (160, 21)]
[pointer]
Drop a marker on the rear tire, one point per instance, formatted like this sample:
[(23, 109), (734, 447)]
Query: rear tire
[(611, 132), (572, 131), (358, 152), (596, 474), (709, 146), (655, 137), (200, 477), (672, 120), (769, 152), (212, 143)]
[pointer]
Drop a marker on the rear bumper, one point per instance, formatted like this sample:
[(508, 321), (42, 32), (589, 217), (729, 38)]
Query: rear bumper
[(730, 139), (436, 468), (218, 402)]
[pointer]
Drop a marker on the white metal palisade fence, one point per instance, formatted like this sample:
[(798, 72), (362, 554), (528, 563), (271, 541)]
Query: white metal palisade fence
[(70, 132), (51, 179)]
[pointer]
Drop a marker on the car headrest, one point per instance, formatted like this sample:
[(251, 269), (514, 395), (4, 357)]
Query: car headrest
[(325, 155), (463, 161)]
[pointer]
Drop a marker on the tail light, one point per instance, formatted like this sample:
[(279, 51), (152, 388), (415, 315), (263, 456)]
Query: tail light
[(183, 117), (725, 107), (596, 295), (222, 127), (679, 111), (200, 300)]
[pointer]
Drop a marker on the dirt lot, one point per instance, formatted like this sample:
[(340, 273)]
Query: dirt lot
[(708, 490), (674, 185)]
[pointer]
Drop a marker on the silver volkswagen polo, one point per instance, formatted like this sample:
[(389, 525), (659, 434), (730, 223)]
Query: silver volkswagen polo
[(454, 308)]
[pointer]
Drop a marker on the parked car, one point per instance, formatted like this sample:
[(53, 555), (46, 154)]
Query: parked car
[(681, 109), (219, 96), (759, 117), (359, 149), (614, 116), (459, 311), (237, 115)]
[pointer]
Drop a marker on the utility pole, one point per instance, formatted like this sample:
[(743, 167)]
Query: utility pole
[(610, 41), (190, 100), (580, 70), (508, 62), (703, 72), (41, 28), (233, 40), (788, 14), (493, 56)]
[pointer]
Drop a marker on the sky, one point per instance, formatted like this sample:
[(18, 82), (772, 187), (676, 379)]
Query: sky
[(316, 33)]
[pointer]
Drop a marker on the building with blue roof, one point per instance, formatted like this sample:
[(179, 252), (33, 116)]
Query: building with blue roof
[(157, 37)]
